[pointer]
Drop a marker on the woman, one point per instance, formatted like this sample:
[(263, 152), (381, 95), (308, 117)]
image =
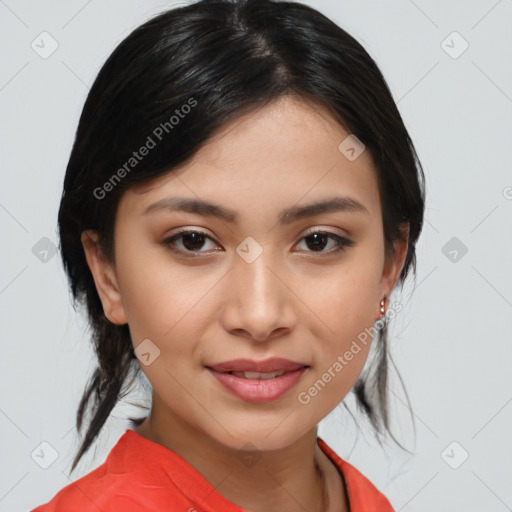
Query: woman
[(241, 200)]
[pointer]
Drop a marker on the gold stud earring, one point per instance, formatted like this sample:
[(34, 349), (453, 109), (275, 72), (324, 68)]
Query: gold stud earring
[(382, 306)]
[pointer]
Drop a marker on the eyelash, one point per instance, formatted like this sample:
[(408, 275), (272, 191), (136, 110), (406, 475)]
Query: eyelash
[(343, 243)]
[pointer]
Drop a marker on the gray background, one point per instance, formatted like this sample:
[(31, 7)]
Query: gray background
[(452, 340)]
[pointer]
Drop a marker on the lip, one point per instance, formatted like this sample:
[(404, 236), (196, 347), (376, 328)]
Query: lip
[(258, 390), (273, 364)]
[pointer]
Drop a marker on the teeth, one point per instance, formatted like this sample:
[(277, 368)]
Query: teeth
[(258, 375)]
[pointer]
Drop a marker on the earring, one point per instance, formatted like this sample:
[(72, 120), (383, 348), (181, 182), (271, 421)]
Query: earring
[(382, 308)]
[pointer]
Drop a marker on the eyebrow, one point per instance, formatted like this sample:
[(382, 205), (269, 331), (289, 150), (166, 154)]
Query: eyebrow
[(287, 216)]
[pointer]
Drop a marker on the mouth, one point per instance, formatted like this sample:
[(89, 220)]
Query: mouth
[(257, 375), (250, 369), (258, 381)]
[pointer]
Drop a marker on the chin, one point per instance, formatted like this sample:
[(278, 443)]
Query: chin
[(277, 434)]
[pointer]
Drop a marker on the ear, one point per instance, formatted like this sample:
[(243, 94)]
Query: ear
[(104, 278), (394, 263)]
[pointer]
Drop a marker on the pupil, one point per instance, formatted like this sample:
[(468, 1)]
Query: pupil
[(197, 238), (317, 237)]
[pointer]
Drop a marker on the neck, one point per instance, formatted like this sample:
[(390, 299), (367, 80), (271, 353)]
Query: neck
[(291, 478)]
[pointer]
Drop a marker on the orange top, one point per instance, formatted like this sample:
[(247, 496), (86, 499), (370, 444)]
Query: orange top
[(140, 475)]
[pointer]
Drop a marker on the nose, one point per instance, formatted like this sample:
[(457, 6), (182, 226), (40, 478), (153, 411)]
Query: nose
[(258, 301)]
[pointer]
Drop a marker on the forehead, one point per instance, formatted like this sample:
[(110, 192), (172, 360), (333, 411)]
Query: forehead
[(288, 151)]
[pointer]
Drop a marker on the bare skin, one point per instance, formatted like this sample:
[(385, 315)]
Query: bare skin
[(206, 304)]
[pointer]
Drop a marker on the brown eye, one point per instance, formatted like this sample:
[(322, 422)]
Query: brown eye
[(316, 241), (191, 241)]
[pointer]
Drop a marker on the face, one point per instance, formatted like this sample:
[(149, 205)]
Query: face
[(267, 279)]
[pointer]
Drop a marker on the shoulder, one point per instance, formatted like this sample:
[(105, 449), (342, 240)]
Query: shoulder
[(67, 500), (137, 476), (114, 486), (94, 491), (362, 493)]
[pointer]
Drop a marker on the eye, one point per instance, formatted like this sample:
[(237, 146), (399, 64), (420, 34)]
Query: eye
[(191, 241), (317, 240)]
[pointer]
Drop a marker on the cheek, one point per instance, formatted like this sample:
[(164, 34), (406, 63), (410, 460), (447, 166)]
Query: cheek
[(163, 303), (343, 342), (345, 351), (346, 300), (149, 293), (346, 303)]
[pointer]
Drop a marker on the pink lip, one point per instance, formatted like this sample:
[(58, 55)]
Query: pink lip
[(259, 390), (274, 364)]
